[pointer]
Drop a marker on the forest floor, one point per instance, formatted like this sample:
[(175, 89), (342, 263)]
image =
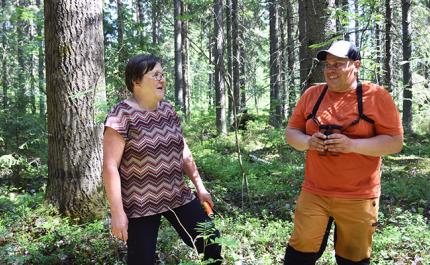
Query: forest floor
[(255, 220)]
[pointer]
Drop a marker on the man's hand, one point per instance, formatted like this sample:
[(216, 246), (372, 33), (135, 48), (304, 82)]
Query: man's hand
[(317, 142), (338, 143)]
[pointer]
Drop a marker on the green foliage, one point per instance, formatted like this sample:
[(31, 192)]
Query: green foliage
[(32, 232), (402, 238), (278, 174), (23, 134)]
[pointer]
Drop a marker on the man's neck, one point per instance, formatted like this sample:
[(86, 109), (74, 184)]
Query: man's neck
[(352, 86)]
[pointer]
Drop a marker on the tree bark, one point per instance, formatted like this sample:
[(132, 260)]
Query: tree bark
[(407, 74), (345, 8), (230, 58), (186, 90), (141, 20), (140, 11), (242, 71), (32, 65), (210, 74), (122, 50), (236, 54), (5, 83), (314, 23), (282, 60), (219, 68), (22, 98), (75, 80), (241, 56), (387, 54), (155, 22), (179, 82), (340, 27), (290, 58), (357, 24), (275, 74), (378, 53), (40, 69)]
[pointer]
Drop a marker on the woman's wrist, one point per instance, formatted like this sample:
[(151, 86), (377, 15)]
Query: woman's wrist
[(201, 189)]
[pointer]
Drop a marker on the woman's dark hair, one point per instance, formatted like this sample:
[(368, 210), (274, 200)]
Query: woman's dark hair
[(137, 66)]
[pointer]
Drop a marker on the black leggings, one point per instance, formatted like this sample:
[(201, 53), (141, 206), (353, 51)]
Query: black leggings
[(143, 231)]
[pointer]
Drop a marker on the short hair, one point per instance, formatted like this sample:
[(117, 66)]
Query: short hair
[(137, 66)]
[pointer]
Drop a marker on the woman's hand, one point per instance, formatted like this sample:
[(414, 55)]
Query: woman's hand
[(120, 225), (205, 196)]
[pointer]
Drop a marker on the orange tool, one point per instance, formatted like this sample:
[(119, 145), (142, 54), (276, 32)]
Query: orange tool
[(208, 209)]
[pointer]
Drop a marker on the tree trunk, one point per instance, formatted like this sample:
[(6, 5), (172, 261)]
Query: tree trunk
[(342, 29), (427, 65), (357, 23), (345, 8), (378, 53), (282, 62), (75, 80), (22, 98), (5, 83), (141, 21), (32, 65), (387, 55), (275, 75), (254, 90), (230, 59), (219, 68), (122, 50), (179, 82), (407, 74), (155, 21), (185, 87), (241, 55), (210, 75), (242, 75), (236, 54), (314, 23), (140, 11), (40, 71), (290, 58)]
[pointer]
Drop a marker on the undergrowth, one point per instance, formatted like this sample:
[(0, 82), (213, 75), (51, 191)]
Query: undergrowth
[(255, 226)]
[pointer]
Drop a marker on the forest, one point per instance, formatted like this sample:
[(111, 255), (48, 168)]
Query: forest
[(234, 69)]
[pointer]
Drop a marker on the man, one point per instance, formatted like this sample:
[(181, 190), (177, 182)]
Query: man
[(344, 126)]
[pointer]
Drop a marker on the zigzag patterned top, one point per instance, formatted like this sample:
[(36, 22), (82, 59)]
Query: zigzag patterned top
[(151, 168)]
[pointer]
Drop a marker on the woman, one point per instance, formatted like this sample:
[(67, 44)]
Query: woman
[(145, 156)]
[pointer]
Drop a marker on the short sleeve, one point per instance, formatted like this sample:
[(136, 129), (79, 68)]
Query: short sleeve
[(298, 117), (118, 119), (388, 121), (175, 116)]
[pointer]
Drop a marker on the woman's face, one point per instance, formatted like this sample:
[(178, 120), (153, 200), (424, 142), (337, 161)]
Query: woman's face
[(152, 86)]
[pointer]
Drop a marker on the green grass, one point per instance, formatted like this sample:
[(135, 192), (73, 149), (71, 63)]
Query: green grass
[(254, 231)]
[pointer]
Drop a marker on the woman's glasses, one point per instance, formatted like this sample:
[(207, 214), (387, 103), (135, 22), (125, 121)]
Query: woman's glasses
[(158, 76)]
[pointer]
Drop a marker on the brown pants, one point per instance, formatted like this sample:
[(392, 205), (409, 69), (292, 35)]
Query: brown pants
[(355, 224)]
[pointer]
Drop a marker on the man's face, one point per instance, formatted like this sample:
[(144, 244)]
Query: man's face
[(340, 73)]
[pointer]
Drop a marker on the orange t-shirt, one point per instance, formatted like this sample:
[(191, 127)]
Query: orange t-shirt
[(348, 175)]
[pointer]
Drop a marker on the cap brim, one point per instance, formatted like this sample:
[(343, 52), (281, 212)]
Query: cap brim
[(322, 55)]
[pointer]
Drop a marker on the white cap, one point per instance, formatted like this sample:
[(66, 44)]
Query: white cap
[(342, 49)]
